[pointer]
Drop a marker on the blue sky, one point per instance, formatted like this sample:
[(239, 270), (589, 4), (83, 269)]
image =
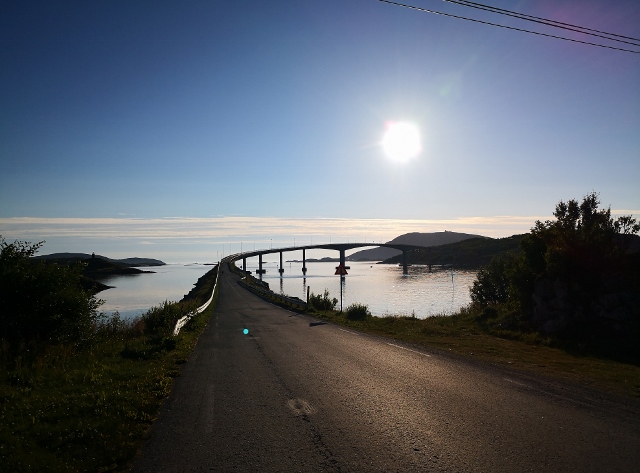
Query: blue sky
[(221, 109)]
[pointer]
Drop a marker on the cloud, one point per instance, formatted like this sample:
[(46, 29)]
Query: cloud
[(619, 212), (181, 239), (233, 228)]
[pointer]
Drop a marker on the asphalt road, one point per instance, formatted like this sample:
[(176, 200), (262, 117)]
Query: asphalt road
[(299, 395)]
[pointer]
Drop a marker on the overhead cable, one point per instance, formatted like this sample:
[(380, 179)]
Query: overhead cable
[(412, 7), (546, 21)]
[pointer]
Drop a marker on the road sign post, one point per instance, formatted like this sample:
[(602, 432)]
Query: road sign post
[(341, 270)]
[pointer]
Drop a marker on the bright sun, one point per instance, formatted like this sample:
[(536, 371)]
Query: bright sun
[(401, 141)]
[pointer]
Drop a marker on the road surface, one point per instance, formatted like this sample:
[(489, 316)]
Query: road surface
[(296, 394)]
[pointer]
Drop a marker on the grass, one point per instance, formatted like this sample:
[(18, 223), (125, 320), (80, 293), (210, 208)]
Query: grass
[(467, 335), (70, 409)]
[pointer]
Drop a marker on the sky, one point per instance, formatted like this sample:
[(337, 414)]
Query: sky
[(158, 128)]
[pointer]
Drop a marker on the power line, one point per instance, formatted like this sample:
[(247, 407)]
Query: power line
[(468, 3), (546, 21), (411, 7)]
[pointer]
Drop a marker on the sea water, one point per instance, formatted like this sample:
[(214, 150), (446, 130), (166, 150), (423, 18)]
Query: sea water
[(423, 292), (382, 287), (135, 294)]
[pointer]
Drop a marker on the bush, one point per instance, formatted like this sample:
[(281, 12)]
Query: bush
[(161, 320), (357, 312), (43, 303), (491, 285), (322, 302)]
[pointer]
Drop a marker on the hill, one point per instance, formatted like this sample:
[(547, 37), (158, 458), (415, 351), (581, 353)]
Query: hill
[(414, 238), (470, 253), (65, 258), (97, 267)]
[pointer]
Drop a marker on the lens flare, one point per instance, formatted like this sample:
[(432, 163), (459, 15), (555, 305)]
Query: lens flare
[(245, 331)]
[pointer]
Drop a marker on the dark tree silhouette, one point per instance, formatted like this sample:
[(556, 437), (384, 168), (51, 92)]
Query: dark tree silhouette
[(575, 277)]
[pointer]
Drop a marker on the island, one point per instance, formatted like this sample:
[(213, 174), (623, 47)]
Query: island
[(97, 267)]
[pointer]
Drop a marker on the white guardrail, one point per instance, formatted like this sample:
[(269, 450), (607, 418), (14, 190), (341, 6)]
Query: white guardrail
[(183, 320)]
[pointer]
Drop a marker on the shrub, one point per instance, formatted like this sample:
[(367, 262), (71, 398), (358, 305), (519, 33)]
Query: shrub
[(357, 312), (322, 302), (161, 320), (491, 285), (43, 303)]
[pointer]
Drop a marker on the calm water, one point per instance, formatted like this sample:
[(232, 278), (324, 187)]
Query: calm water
[(136, 293), (382, 287)]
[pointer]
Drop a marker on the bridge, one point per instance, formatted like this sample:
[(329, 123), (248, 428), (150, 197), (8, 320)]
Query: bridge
[(341, 247)]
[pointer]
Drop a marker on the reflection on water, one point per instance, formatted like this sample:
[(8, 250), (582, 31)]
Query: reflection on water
[(380, 286), (134, 294)]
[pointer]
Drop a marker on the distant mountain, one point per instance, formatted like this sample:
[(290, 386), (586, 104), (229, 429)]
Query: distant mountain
[(469, 253), (326, 259), (415, 238), (140, 262), (477, 252), (130, 262)]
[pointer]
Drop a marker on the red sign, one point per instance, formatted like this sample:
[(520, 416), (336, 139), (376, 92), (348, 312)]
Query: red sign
[(341, 270)]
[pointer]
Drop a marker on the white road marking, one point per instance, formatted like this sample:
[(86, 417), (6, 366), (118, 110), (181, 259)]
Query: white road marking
[(515, 382), (408, 349), (349, 331)]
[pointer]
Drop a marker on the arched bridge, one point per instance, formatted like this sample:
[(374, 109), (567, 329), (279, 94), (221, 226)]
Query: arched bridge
[(341, 247)]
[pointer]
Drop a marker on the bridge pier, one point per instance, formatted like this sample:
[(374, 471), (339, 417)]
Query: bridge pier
[(304, 261), (260, 270), (281, 270), (405, 269), (244, 265)]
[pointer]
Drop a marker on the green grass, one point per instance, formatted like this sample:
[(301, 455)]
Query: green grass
[(89, 410), (466, 335)]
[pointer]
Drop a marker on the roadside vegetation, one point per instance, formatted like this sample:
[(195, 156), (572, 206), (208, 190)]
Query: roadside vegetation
[(565, 304), (322, 301), (78, 391), (574, 280)]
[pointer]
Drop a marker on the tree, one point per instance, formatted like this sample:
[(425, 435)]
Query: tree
[(587, 284), (492, 284), (582, 233), (573, 277), (42, 303)]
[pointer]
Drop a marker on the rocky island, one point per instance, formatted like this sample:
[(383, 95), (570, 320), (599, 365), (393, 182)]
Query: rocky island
[(97, 267)]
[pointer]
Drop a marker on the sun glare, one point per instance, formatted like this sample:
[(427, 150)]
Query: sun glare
[(401, 141)]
